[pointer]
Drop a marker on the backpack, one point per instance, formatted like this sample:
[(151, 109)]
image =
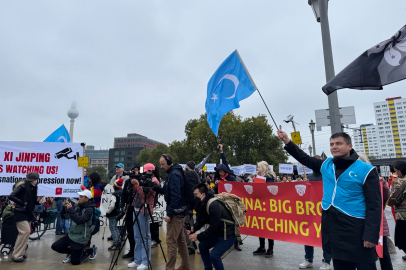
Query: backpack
[(95, 227), (233, 204)]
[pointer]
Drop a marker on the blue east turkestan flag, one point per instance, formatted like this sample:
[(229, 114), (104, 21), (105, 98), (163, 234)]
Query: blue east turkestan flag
[(59, 135), (227, 87)]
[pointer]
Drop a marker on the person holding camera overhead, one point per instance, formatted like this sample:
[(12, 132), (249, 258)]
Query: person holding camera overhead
[(223, 172), (143, 194), (127, 199), (173, 191)]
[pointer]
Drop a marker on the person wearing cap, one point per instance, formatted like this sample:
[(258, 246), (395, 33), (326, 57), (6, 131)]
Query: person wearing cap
[(127, 200), (112, 212), (142, 224), (119, 173), (79, 232), (24, 196)]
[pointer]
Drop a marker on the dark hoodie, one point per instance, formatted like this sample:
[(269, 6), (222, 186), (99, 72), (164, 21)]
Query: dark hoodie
[(343, 235), (173, 190), (81, 220), (224, 167)]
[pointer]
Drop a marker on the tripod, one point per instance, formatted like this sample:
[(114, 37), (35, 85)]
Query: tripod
[(144, 206)]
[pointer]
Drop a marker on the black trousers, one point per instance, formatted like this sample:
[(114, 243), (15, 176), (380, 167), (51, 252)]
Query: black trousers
[(130, 228), (345, 265), (262, 243), (386, 262), (66, 246)]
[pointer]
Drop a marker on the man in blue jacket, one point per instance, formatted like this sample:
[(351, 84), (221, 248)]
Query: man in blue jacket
[(175, 212), (352, 203)]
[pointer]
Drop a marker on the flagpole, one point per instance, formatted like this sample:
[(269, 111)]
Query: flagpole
[(255, 86)]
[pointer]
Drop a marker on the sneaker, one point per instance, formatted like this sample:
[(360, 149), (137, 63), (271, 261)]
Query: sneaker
[(18, 260), (130, 254), (142, 267), (110, 238), (325, 266), (133, 265), (259, 251), (113, 247), (67, 259), (94, 254), (305, 264), (404, 258), (269, 253)]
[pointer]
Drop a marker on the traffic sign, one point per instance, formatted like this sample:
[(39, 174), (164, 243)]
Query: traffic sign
[(296, 139), (83, 161)]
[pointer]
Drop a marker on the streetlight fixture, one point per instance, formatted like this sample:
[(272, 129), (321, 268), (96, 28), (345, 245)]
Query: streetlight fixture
[(310, 150), (320, 10), (312, 126)]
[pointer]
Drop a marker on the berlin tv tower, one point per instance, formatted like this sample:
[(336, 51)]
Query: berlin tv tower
[(73, 113)]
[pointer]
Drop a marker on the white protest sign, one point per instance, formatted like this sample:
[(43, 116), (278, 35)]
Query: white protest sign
[(238, 170), (183, 166), (271, 166), (104, 204), (210, 167), (385, 171), (56, 163), (250, 169), (300, 170), (286, 168)]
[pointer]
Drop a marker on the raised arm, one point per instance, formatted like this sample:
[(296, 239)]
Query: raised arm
[(293, 150)]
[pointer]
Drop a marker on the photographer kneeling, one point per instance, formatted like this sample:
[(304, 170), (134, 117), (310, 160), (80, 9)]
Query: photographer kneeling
[(143, 194), (220, 235), (79, 233)]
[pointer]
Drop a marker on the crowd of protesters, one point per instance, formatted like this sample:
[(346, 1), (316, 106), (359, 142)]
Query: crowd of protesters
[(188, 194)]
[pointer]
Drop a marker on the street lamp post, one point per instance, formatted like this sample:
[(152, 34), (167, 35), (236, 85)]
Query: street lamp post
[(312, 126), (310, 150), (320, 9)]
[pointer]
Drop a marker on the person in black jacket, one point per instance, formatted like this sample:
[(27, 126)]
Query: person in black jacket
[(264, 170), (352, 203), (219, 235), (223, 172), (25, 197), (127, 199), (173, 191), (192, 179)]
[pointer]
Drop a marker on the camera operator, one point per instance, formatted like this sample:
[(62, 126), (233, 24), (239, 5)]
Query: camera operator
[(79, 233), (143, 194), (127, 198), (220, 235), (173, 191)]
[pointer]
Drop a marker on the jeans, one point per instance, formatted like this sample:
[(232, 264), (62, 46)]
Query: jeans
[(140, 256), (66, 246), (309, 254), (345, 265), (213, 258), (114, 231), (62, 225), (262, 243)]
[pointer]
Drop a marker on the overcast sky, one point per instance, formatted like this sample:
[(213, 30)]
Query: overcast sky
[(142, 66)]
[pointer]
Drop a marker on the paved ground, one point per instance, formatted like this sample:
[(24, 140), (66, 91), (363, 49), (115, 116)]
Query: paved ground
[(287, 256)]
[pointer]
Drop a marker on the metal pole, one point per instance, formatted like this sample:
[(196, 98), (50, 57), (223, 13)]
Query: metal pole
[(314, 144), (334, 110)]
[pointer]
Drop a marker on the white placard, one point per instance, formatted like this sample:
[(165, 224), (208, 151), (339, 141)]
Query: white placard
[(250, 169), (271, 166), (104, 204), (286, 168), (183, 166), (385, 171), (56, 163), (300, 170), (238, 170), (210, 167)]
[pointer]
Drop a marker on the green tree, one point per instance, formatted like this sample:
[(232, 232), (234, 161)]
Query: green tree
[(100, 170), (153, 155)]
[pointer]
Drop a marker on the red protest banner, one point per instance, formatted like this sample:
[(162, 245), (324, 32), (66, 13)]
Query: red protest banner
[(289, 212)]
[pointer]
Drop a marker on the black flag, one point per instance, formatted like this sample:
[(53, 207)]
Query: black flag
[(383, 64), (324, 157), (203, 163)]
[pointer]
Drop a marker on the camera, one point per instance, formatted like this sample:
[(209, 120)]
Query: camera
[(129, 173)]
